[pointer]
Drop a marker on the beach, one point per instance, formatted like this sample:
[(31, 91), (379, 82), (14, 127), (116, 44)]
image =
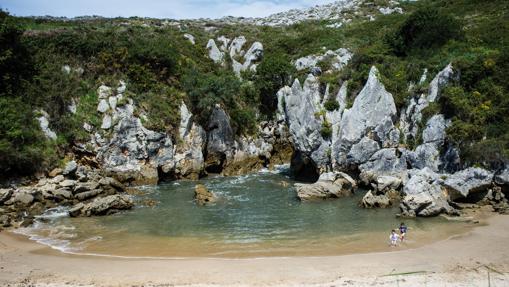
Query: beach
[(479, 257)]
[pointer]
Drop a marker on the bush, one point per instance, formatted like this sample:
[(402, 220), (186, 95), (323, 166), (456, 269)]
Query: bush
[(424, 29), (15, 62), (331, 105), (23, 148), (326, 130)]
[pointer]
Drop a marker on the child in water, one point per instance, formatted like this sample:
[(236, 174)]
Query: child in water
[(394, 238), (402, 231)]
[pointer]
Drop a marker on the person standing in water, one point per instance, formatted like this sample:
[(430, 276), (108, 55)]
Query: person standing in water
[(394, 238), (402, 231)]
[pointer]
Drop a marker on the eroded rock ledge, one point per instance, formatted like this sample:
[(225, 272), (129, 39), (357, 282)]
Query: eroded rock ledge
[(86, 191)]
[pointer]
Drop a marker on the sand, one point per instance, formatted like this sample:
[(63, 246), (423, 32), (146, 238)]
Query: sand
[(479, 257)]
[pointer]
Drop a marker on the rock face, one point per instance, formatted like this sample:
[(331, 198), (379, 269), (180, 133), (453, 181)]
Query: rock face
[(424, 196), (220, 141), (373, 106), (329, 185), (466, 182), (189, 160), (203, 196), (411, 116)]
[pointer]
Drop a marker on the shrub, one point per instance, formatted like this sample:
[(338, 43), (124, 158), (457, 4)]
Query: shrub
[(331, 105), (326, 130), (423, 29)]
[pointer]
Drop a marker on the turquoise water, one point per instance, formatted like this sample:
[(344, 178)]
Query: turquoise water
[(256, 215)]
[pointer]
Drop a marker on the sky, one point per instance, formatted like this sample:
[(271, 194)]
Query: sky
[(174, 9)]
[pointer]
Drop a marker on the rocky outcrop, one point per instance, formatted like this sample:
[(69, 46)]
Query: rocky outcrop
[(465, 183), (203, 196), (329, 185), (234, 49), (372, 110), (428, 153), (220, 141), (86, 189), (424, 195), (102, 206), (385, 162), (337, 60), (43, 120), (411, 115), (374, 200)]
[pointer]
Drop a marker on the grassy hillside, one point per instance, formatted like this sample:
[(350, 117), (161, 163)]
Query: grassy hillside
[(162, 68)]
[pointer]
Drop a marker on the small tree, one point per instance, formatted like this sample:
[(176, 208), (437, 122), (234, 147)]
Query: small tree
[(273, 73)]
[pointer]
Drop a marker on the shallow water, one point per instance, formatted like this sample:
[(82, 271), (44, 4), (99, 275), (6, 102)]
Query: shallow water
[(257, 215)]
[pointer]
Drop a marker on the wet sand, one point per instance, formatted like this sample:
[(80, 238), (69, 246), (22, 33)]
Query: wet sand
[(479, 257)]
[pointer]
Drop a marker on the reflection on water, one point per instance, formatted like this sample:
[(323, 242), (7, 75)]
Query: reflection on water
[(256, 215)]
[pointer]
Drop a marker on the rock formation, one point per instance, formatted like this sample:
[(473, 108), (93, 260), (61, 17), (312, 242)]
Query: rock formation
[(329, 185)]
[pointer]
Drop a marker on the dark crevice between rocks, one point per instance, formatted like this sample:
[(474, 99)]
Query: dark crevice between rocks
[(215, 163), (303, 168), (165, 176), (472, 197)]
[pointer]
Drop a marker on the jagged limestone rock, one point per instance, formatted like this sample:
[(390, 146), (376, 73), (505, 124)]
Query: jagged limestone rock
[(468, 181), (385, 162), (371, 108), (214, 53), (190, 38), (423, 195)]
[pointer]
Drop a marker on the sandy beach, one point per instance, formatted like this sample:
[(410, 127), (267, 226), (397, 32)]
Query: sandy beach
[(478, 258)]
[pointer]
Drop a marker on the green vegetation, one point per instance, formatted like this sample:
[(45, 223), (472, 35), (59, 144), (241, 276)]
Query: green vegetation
[(162, 69), (331, 105)]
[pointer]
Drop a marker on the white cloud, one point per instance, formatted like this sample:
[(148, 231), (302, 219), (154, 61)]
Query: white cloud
[(180, 9)]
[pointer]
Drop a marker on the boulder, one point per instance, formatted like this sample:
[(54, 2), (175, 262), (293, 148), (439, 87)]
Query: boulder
[(20, 198), (55, 172), (371, 200), (62, 194), (67, 183), (88, 194), (103, 206), (70, 168), (424, 196), (85, 186), (387, 183), (103, 106), (466, 182), (57, 179), (5, 194), (202, 195), (103, 92), (329, 185)]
